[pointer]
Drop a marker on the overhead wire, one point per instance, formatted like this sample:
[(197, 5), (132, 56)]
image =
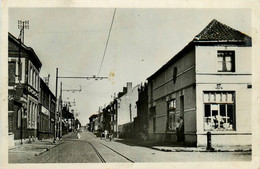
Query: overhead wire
[(107, 42)]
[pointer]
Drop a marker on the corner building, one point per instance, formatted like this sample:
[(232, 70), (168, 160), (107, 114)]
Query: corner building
[(208, 83), (23, 89)]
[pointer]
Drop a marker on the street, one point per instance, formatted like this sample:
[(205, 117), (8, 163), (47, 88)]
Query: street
[(90, 149)]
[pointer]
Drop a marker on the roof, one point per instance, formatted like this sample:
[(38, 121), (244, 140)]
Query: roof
[(214, 33), (93, 116), (42, 83), (28, 49)]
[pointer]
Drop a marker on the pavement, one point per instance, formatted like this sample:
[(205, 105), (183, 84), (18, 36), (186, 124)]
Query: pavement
[(90, 149), (203, 149), (27, 151), (175, 147)]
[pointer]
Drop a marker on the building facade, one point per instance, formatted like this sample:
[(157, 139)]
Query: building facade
[(208, 85), (47, 103), (68, 120), (94, 123), (127, 110), (141, 121), (23, 89)]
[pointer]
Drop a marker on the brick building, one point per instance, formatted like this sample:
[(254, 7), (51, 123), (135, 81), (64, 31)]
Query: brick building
[(47, 102), (23, 89)]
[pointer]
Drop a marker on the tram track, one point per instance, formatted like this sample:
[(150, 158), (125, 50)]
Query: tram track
[(101, 157), (98, 154), (118, 153)]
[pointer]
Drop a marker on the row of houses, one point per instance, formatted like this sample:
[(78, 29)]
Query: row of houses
[(31, 104), (205, 87)]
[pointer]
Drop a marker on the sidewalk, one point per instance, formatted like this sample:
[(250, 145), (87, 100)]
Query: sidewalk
[(26, 151), (203, 149), (175, 147)]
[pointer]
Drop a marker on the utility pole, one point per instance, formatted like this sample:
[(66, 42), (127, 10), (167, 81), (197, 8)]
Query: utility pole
[(70, 77), (61, 110), (56, 107), (130, 113), (21, 25)]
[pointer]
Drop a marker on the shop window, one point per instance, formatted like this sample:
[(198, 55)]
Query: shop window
[(219, 113), (172, 115), (226, 61)]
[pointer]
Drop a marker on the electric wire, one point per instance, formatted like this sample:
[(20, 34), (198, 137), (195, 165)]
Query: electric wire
[(107, 42)]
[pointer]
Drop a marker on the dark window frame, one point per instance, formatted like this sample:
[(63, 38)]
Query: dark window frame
[(224, 67), (168, 113)]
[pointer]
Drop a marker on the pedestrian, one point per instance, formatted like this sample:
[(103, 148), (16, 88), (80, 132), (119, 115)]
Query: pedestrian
[(110, 136), (78, 135), (101, 135), (106, 132), (180, 130)]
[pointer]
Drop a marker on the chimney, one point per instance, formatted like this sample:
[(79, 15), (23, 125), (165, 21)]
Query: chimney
[(129, 86), (124, 90)]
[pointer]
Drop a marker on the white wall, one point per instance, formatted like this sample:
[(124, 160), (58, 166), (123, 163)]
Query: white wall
[(207, 78), (124, 108), (206, 59)]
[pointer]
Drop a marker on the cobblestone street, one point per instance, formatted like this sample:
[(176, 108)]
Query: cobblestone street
[(90, 149)]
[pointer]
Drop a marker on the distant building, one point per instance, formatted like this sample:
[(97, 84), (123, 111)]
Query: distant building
[(68, 120), (208, 83), (126, 109), (23, 89), (141, 121), (47, 103), (94, 122), (107, 123)]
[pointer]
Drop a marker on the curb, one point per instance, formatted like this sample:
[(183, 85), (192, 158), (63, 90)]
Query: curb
[(48, 149), (215, 150)]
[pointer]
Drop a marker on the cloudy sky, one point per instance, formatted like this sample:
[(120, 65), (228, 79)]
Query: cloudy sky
[(141, 41)]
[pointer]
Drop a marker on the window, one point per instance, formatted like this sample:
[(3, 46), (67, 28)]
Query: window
[(219, 110), (29, 114), (11, 72), (19, 116), (151, 90), (35, 83), (32, 78), (226, 61), (172, 115)]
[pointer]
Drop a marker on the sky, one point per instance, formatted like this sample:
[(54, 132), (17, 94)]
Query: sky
[(141, 41)]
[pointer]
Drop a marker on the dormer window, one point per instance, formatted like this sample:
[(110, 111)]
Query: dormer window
[(226, 61)]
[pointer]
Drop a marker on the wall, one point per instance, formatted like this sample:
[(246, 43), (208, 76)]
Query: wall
[(207, 78), (123, 114), (162, 89), (30, 93)]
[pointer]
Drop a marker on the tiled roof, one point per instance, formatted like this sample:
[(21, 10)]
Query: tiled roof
[(216, 31), (213, 34)]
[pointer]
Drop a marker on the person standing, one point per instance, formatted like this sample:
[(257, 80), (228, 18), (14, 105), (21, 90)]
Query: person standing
[(106, 132), (78, 135), (180, 130)]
